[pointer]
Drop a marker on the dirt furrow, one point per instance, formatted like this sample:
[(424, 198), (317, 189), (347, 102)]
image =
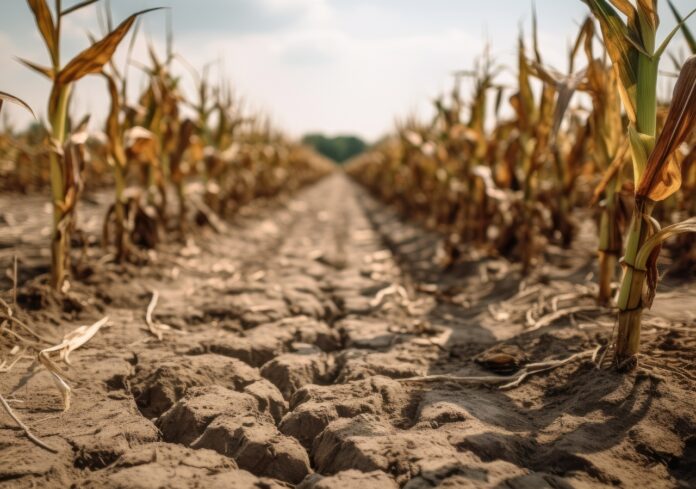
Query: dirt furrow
[(291, 334)]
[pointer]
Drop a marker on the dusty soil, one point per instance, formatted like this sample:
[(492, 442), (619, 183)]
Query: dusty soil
[(295, 337)]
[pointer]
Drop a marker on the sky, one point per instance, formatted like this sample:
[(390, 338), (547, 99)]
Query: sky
[(331, 66)]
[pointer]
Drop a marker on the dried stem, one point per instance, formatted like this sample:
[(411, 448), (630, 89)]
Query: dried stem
[(24, 427), (508, 381)]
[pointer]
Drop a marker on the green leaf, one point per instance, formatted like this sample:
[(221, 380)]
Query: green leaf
[(688, 35), (671, 35), (639, 150), (623, 50)]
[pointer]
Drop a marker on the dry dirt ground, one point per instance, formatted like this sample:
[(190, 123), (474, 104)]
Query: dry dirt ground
[(296, 335)]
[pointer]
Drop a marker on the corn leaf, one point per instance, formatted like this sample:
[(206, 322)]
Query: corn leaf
[(647, 14), (586, 33), (622, 48), (44, 21), (662, 176), (688, 35), (535, 35), (527, 109), (663, 47), (77, 7), (609, 174), (113, 128), (626, 8), (15, 100), (93, 59), (646, 259), (43, 70)]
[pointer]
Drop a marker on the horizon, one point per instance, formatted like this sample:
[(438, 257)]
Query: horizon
[(334, 67)]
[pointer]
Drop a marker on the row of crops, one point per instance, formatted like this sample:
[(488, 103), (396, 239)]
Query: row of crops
[(172, 159), (511, 171)]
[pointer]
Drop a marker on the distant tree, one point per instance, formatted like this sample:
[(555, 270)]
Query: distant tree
[(339, 148)]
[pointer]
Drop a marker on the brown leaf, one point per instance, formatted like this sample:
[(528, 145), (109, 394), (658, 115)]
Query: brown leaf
[(113, 128), (44, 21), (625, 7), (45, 71), (609, 174), (647, 11), (93, 59), (15, 100), (78, 6), (652, 277), (621, 43), (662, 176)]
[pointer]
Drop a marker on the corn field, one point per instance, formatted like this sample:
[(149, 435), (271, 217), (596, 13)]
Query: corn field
[(467, 303)]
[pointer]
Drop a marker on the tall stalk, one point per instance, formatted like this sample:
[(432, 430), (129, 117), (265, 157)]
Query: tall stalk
[(91, 60), (632, 48), (606, 128), (62, 218)]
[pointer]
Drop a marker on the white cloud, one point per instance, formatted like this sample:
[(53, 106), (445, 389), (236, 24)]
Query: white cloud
[(327, 79), (312, 11), (328, 65)]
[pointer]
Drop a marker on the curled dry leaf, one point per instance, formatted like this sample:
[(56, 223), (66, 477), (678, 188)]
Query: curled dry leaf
[(157, 329), (649, 253), (15, 100), (45, 24), (93, 59), (71, 342), (662, 176)]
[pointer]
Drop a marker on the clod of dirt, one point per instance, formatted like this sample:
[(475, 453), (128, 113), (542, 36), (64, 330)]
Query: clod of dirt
[(269, 398), (468, 475), (254, 309), (342, 445), (159, 383), (23, 465), (349, 479), (232, 424), (313, 332), (261, 344), (368, 443), (256, 445), (314, 407), (366, 333), (291, 371), (161, 465), (307, 304), (186, 420), (440, 407), (352, 303), (402, 361), (95, 444), (258, 345)]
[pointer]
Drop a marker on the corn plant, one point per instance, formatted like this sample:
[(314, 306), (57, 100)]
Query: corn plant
[(566, 157), (606, 126), (635, 55), (64, 185)]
